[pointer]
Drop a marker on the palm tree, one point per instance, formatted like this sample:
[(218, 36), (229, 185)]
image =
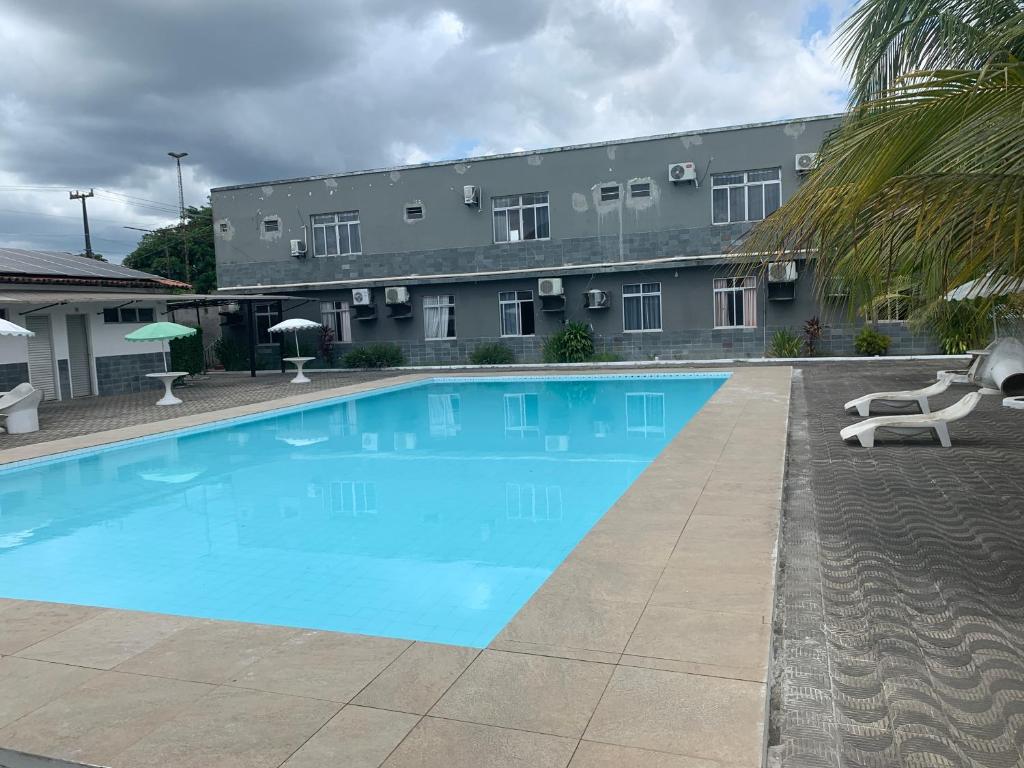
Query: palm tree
[(923, 182)]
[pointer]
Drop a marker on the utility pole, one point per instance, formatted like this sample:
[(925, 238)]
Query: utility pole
[(181, 212), (76, 195)]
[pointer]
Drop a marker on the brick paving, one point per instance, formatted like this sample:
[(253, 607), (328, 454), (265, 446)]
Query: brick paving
[(900, 603), (71, 418)]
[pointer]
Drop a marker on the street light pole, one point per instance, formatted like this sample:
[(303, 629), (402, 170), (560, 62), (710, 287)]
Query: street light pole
[(76, 195), (181, 211)]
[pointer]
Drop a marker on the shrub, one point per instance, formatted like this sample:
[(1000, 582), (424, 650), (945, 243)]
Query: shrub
[(959, 327), (573, 344), (325, 347), (785, 343), (604, 357), (812, 335), (492, 354), (375, 356), (231, 353), (871, 342), (187, 353)]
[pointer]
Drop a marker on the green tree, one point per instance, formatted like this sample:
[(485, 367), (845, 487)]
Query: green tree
[(95, 256), (163, 252), (923, 182)]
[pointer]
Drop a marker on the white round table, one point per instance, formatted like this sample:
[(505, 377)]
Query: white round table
[(167, 378), (299, 362)]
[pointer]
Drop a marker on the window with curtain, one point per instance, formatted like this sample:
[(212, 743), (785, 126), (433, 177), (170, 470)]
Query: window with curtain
[(444, 413), (521, 217), (335, 315), (336, 234), (438, 317), (266, 315), (641, 307), (745, 195), (522, 414), (516, 308), (735, 302), (645, 413)]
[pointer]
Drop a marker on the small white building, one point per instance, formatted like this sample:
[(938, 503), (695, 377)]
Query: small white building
[(80, 310)]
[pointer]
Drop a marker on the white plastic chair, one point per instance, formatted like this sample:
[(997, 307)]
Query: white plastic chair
[(900, 398), (937, 422), (21, 407)]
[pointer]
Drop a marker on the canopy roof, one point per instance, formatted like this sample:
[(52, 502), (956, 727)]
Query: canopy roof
[(122, 297)]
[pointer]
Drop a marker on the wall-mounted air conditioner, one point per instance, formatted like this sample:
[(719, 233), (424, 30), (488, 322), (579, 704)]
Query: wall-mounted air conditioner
[(806, 162), (362, 297), (556, 443), (550, 286), (680, 172), (396, 294), (471, 195), (298, 248), (595, 299), (782, 272)]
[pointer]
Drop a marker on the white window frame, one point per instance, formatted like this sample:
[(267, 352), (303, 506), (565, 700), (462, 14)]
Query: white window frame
[(646, 428), (515, 404), (270, 311), (121, 315), (519, 313), (439, 302), (613, 192), (337, 316), (639, 295), (519, 207), (332, 228), (737, 285), (747, 185)]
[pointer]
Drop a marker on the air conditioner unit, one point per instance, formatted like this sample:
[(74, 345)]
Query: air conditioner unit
[(397, 294), (362, 297), (556, 443), (678, 172), (298, 248), (550, 286), (782, 272), (471, 195), (595, 299), (806, 162)]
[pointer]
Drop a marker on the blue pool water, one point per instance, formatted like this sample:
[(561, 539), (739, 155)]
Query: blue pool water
[(427, 512)]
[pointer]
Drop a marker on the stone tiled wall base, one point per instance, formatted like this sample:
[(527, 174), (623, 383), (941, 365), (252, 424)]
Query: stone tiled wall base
[(12, 374), (120, 374)]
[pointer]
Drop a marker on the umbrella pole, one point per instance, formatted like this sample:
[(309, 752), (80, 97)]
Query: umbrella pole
[(297, 344), (163, 353)]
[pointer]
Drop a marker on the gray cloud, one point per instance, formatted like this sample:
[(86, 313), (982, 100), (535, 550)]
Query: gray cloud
[(96, 93)]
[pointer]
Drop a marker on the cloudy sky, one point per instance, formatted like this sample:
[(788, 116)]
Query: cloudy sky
[(96, 93)]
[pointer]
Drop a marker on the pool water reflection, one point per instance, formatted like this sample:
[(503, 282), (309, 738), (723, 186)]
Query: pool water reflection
[(429, 512)]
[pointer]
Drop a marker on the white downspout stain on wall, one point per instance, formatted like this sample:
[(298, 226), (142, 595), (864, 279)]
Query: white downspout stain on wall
[(691, 141), (579, 202), (607, 208), (795, 130), (534, 159)]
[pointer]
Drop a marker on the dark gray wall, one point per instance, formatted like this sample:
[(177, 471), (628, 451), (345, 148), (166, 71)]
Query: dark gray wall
[(454, 238), (12, 374), (120, 374)]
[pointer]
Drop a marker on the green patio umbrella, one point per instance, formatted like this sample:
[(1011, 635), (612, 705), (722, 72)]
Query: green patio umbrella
[(161, 332)]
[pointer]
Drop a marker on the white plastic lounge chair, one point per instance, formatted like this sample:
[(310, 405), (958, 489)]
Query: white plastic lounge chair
[(900, 399), (20, 406), (937, 422)]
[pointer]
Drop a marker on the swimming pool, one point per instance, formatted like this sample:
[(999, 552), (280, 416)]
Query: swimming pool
[(430, 511)]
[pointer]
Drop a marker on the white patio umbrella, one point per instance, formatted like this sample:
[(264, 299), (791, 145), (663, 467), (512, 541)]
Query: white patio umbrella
[(295, 325), (984, 288), (7, 328), (161, 332)]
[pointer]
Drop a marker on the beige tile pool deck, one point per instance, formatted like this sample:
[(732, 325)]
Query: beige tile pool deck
[(647, 647)]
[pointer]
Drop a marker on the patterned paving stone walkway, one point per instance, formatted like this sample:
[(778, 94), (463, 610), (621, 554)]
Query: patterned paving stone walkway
[(71, 418), (900, 611)]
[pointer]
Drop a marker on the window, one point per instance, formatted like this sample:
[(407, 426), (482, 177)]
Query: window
[(413, 212), (641, 307), (128, 315), (516, 308), (645, 413), (735, 302), (223, 226), (353, 497), (438, 317), (335, 315), (609, 192), (745, 196), (3, 314), (271, 225), (266, 315), (521, 217), (444, 413), (522, 414), (336, 234), (640, 189), (534, 503)]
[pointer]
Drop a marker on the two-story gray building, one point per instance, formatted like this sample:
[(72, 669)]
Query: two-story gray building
[(635, 238)]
